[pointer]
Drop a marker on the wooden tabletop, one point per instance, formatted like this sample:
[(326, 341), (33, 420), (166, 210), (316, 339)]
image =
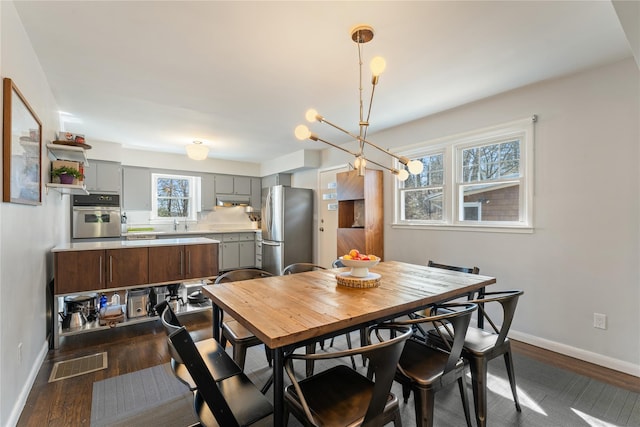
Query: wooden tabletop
[(285, 310)]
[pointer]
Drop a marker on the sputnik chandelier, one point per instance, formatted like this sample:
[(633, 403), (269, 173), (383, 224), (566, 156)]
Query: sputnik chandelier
[(361, 34)]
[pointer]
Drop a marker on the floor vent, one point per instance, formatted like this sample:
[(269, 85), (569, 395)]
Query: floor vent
[(81, 365)]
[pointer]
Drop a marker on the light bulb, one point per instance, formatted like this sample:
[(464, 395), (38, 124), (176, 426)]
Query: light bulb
[(415, 166), (302, 132), (402, 175), (311, 115), (377, 65)]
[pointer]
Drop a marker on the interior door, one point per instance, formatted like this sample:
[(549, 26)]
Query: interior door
[(328, 216)]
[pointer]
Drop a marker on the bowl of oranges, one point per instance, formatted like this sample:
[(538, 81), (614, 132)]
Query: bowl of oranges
[(359, 263)]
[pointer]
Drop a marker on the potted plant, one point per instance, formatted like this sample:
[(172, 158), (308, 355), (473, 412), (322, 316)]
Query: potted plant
[(66, 174)]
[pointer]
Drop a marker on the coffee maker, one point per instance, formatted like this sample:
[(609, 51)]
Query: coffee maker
[(158, 294)]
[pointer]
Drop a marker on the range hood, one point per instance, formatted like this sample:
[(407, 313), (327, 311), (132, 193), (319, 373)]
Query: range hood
[(232, 200)]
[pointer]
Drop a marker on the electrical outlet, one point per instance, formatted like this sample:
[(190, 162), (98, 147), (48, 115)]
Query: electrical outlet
[(20, 354), (599, 320)]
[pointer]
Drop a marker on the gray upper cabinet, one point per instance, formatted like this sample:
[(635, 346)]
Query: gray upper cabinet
[(256, 193), (207, 192), (103, 177), (229, 184), (136, 194), (276, 179)]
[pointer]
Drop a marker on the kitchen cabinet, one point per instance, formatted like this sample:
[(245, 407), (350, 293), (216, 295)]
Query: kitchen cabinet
[(176, 263), (229, 184), (100, 266), (78, 271), (276, 179), (207, 192), (103, 177), (256, 193), (136, 191), (238, 251), (360, 212)]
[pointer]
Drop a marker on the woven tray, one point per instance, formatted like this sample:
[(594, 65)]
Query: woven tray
[(346, 279)]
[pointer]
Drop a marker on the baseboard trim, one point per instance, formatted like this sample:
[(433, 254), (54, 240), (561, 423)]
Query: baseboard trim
[(18, 406), (578, 353)]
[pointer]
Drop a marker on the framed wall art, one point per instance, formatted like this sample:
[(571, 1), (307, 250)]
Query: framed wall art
[(21, 149)]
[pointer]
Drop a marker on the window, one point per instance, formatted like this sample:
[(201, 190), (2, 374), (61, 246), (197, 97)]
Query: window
[(481, 179), (174, 196)]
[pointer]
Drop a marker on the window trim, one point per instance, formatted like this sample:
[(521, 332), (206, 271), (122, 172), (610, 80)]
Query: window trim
[(194, 198), (452, 147)]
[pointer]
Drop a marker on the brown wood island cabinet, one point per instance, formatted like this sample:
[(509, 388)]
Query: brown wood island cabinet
[(175, 263), (115, 266), (78, 271)]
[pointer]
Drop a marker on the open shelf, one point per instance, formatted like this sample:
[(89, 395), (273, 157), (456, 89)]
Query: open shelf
[(67, 152), (67, 188)]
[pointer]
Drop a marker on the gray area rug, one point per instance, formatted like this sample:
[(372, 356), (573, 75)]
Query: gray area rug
[(150, 397)]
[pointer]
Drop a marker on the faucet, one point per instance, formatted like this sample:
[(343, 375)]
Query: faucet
[(175, 224)]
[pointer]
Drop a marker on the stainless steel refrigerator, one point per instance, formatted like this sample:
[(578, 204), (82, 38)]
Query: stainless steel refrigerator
[(287, 227)]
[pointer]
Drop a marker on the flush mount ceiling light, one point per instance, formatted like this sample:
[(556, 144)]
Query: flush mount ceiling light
[(362, 34), (197, 150)]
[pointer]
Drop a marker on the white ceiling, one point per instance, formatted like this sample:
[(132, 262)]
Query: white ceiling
[(240, 75)]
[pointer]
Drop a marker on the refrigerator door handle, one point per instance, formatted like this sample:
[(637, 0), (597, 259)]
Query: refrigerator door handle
[(265, 242)]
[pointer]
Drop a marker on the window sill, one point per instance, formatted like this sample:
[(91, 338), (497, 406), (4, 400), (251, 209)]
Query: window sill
[(466, 227)]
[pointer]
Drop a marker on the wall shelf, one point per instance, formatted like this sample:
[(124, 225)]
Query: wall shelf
[(67, 188), (67, 152)]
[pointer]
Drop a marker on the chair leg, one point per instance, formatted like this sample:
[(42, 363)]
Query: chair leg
[(363, 340), (478, 367), (267, 353), (267, 385), (353, 360), (239, 355), (424, 405), (406, 392), (311, 349), (512, 378), (465, 400)]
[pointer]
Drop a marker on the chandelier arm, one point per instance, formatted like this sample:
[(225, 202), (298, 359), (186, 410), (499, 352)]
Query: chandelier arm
[(373, 89), (392, 170), (316, 138), (402, 159)]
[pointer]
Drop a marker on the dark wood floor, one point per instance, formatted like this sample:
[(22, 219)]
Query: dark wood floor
[(68, 402)]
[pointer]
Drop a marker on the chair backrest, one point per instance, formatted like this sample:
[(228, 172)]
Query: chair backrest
[(472, 270), (171, 324), (186, 348), (242, 274), (447, 316), (383, 357), (301, 267), (508, 301), (337, 263)]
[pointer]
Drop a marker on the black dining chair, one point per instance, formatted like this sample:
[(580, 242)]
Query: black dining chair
[(470, 270), (425, 369), (339, 395), (302, 267), (210, 351), (233, 401), (231, 330), (480, 346)]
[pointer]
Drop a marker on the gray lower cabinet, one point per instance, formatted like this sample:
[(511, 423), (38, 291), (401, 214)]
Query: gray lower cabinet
[(136, 192), (103, 177), (237, 251)]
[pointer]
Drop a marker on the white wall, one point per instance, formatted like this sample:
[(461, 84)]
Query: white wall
[(584, 254), (27, 233)]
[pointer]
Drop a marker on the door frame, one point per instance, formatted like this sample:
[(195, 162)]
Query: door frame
[(319, 204)]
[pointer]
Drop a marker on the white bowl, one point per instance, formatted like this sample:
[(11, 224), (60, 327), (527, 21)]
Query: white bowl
[(359, 268)]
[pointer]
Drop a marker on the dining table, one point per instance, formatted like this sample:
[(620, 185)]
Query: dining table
[(287, 312)]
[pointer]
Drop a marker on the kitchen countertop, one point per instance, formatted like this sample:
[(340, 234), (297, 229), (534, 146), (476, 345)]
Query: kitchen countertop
[(122, 244)]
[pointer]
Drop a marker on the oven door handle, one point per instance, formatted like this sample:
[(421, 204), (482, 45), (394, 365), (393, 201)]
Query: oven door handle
[(95, 208)]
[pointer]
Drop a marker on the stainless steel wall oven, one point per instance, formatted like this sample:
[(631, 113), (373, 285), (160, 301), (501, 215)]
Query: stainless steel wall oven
[(95, 216)]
